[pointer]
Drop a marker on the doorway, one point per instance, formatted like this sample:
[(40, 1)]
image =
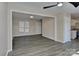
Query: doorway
[(23, 34)]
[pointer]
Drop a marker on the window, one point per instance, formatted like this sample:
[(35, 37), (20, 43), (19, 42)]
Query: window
[(23, 26), (26, 26)]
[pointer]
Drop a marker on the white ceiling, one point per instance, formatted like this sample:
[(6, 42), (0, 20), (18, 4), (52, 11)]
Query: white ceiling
[(25, 16), (67, 7)]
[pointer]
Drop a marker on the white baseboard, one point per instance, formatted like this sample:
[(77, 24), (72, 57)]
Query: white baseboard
[(8, 52), (24, 35), (53, 39), (48, 37), (60, 41)]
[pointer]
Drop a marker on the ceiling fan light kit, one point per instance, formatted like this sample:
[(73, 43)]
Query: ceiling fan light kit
[(60, 4)]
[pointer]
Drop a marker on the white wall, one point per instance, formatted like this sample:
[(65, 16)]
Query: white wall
[(63, 28), (34, 27), (3, 29), (67, 27), (26, 8), (60, 28), (48, 28)]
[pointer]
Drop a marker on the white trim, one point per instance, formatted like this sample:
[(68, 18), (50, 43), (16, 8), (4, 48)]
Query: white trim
[(26, 35), (10, 19), (8, 52), (10, 30), (31, 13), (55, 28), (48, 37)]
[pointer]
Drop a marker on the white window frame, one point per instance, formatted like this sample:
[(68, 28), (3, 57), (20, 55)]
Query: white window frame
[(23, 26)]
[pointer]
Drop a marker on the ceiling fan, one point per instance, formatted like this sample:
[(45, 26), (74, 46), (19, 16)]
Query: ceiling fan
[(75, 4)]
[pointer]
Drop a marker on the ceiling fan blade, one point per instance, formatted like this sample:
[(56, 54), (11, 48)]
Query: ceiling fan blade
[(76, 4), (49, 6)]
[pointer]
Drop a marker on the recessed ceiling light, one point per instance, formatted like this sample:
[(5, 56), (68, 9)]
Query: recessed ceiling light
[(31, 16), (60, 4)]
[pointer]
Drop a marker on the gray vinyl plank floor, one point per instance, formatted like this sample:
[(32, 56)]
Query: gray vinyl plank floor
[(38, 45)]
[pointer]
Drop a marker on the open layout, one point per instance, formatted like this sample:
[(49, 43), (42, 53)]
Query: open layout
[(39, 29)]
